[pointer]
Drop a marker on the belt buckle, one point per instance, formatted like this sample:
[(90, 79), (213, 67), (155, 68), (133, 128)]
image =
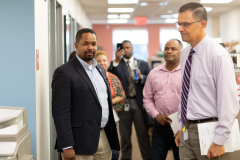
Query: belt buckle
[(199, 121)]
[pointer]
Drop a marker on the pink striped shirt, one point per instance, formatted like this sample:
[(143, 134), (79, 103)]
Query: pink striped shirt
[(162, 91)]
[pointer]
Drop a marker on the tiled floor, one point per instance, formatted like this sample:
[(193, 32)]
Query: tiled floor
[(136, 155)]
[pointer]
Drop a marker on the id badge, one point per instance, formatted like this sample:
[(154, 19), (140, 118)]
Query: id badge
[(126, 107), (185, 135)]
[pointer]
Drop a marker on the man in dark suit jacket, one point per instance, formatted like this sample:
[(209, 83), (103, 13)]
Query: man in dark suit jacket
[(82, 105), (134, 111)]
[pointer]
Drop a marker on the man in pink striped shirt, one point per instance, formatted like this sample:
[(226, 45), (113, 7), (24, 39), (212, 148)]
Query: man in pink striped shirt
[(161, 99)]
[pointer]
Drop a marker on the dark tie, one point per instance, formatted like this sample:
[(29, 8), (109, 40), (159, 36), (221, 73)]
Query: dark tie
[(185, 87), (131, 87)]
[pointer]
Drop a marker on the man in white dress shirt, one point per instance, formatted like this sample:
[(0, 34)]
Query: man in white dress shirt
[(208, 91)]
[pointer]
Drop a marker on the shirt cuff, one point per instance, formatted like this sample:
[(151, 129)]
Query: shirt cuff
[(115, 64), (67, 148), (180, 126), (219, 140), (155, 116)]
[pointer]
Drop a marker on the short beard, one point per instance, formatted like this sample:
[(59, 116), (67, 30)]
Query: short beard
[(88, 58)]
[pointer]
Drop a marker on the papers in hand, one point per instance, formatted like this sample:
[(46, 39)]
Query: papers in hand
[(206, 133), (115, 116), (174, 123)]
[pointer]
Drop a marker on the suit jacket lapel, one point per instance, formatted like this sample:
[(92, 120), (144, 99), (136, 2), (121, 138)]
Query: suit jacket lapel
[(85, 76)]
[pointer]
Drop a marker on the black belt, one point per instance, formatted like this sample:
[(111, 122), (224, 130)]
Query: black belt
[(202, 120), (129, 97)]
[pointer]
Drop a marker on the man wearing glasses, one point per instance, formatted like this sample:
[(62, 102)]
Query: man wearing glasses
[(208, 90)]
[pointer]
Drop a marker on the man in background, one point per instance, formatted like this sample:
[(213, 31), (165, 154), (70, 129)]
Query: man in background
[(161, 99), (133, 111)]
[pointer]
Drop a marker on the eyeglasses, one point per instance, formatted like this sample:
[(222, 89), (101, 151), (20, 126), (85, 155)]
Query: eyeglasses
[(185, 24)]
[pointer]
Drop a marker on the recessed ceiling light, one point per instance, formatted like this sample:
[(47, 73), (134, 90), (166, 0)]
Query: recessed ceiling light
[(112, 16), (124, 16), (175, 15), (143, 4), (171, 20), (120, 10), (216, 1), (169, 11), (117, 21), (208, 9), (122, 1), (163, 3), (165, 16)]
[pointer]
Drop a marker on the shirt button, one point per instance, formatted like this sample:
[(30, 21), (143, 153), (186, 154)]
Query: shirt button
[(167, 91), (168, 81), (166, 100)]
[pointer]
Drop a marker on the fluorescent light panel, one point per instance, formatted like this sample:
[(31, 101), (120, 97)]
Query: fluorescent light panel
[(143, 4), (170, 20), (169, 16), (117, 21), (120, 10), (216, 1), (124, 16), (163, 3), (208, 9), (112, 16), (122, 1), (166, 16)]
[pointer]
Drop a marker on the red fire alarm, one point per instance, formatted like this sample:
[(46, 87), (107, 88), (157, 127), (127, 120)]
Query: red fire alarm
[(140, 20)]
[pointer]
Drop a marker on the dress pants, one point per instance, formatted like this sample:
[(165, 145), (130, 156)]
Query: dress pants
[(103, 152), (190, 149), (162, 140), (125, 126)]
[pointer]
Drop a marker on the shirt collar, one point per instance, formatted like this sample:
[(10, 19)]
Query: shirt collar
[(87, 66), (130, 59), (164, 68), (198, 48)]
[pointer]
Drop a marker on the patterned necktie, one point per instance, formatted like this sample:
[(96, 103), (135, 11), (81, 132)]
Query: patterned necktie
[(131, 87), (185, 87)]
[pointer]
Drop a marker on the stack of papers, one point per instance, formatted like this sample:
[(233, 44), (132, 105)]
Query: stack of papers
[(174, 123), (206, 133)]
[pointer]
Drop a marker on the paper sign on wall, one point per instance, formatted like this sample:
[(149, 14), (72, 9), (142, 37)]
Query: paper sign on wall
[(238, 87), (37, 59)]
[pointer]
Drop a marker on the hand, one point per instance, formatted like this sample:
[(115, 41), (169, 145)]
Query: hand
[(113, 101), (139, 73), (215, 151), (177, 138), (119, 53), (163, 119), (69, 154)]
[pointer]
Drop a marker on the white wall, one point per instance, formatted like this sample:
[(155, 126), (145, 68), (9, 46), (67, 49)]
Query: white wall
[(43, 79), (209, 27), (230, 26), (74, 8), (215, 27)]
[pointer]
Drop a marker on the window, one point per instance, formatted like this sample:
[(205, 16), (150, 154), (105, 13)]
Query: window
[(169, 33), (138, 38)]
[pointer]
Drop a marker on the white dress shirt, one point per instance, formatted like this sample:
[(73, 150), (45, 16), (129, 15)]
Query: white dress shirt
[(131, 64), (213, 89)]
